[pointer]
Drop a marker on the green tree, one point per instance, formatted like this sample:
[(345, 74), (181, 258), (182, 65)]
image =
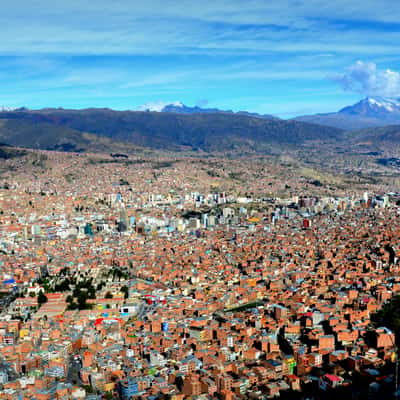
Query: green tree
[(82, 297), (88, 388), (69, 299), (72, 306), (388, 316), (91, 292), (42, 298), (125, 291)]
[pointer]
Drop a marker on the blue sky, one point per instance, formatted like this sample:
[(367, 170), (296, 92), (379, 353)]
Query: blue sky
[(285, 57)]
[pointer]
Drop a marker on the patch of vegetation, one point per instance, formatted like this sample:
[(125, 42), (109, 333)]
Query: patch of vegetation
[(118, 155), (41, 298), (316, 182), (123, 182), (69, 178), (389, 317), (7, 153), (389, 162), (373, 153), (94, 161), (212, 173), (247, 306), (162, 164), (67, 147), (235, 175), (125, 291), (191, 214), (118, 273), (39, 160)]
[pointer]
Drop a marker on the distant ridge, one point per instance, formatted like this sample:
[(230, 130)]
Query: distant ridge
[(208, 131), (180, 108)]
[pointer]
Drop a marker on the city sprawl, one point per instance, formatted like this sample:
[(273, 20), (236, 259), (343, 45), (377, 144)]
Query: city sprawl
[(193, 278)]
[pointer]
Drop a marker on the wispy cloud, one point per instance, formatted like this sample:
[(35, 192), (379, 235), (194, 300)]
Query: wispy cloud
[(187, 27), (235, 54)]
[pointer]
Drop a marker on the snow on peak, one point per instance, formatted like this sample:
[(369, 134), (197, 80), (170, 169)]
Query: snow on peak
[(6, 108), (388, 104), (159, 105), (177, 104)]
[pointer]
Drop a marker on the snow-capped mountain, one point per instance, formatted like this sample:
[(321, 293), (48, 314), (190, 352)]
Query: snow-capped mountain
[(7, 109), (159, 106), (183, 109), (374, 107), (369, 112), (180, 108)]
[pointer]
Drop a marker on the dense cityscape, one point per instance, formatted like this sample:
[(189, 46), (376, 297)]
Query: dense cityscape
[(114, 289), (199, 200)]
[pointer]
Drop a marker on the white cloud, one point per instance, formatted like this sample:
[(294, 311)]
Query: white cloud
[(365, 78), (158, 105)]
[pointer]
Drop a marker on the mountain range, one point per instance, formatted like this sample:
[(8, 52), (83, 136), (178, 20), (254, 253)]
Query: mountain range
[(180, 108), (367, 113), (219, 131), (177, 127)]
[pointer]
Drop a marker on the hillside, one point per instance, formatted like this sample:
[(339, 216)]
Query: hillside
[(201, 131), (386, 136), (46, 136), (342, 121)]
